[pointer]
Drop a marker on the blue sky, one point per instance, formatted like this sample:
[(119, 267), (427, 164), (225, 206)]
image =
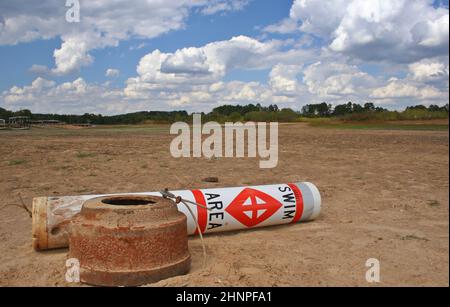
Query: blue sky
[(199, 30), (195, 55)]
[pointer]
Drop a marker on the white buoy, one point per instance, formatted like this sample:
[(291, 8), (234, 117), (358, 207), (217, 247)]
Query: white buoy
[(228, 209), (250, 207)]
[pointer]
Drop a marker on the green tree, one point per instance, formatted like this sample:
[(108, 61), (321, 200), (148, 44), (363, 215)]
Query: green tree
[(287, 115), (343, 109), (369, 107), (317, 110), (235, 117)]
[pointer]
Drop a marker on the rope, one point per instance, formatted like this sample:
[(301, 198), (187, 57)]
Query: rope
[(22, 205), (185, 202)]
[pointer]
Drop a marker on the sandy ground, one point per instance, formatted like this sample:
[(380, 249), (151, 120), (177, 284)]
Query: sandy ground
[(385, 195)]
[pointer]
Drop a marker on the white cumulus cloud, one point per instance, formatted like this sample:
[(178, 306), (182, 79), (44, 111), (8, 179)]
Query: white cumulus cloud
[(103, 23), (333, 80), (429, 70), (393, 52), (399, 31), (206, 64), (404, 89), (112, 73), (217, 6), (283, 79)]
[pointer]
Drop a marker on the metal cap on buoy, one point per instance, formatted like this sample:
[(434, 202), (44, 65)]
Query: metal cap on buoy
[(129, 240)]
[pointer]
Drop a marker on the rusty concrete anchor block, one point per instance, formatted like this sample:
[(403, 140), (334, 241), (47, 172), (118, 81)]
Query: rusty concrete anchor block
[(129, 240)]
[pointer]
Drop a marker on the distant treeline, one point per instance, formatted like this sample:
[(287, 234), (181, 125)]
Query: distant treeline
[(98, 119), (250, 112), (368, 111)]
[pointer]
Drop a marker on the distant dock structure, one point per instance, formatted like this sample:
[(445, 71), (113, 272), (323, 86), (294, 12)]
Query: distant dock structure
[(25, 123), (19, 122), (47, 123), (83, 125)]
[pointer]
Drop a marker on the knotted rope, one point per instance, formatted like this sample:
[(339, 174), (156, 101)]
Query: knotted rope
[(178, 199)]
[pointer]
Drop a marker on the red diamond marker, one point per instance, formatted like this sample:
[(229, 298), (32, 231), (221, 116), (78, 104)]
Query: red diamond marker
[(252, 207)]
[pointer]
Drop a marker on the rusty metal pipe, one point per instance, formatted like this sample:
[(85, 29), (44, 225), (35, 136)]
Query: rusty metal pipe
[(129, 240)]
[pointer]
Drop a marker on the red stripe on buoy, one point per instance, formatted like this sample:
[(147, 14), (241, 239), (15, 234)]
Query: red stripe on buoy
[(202, 213), (298, 201)]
